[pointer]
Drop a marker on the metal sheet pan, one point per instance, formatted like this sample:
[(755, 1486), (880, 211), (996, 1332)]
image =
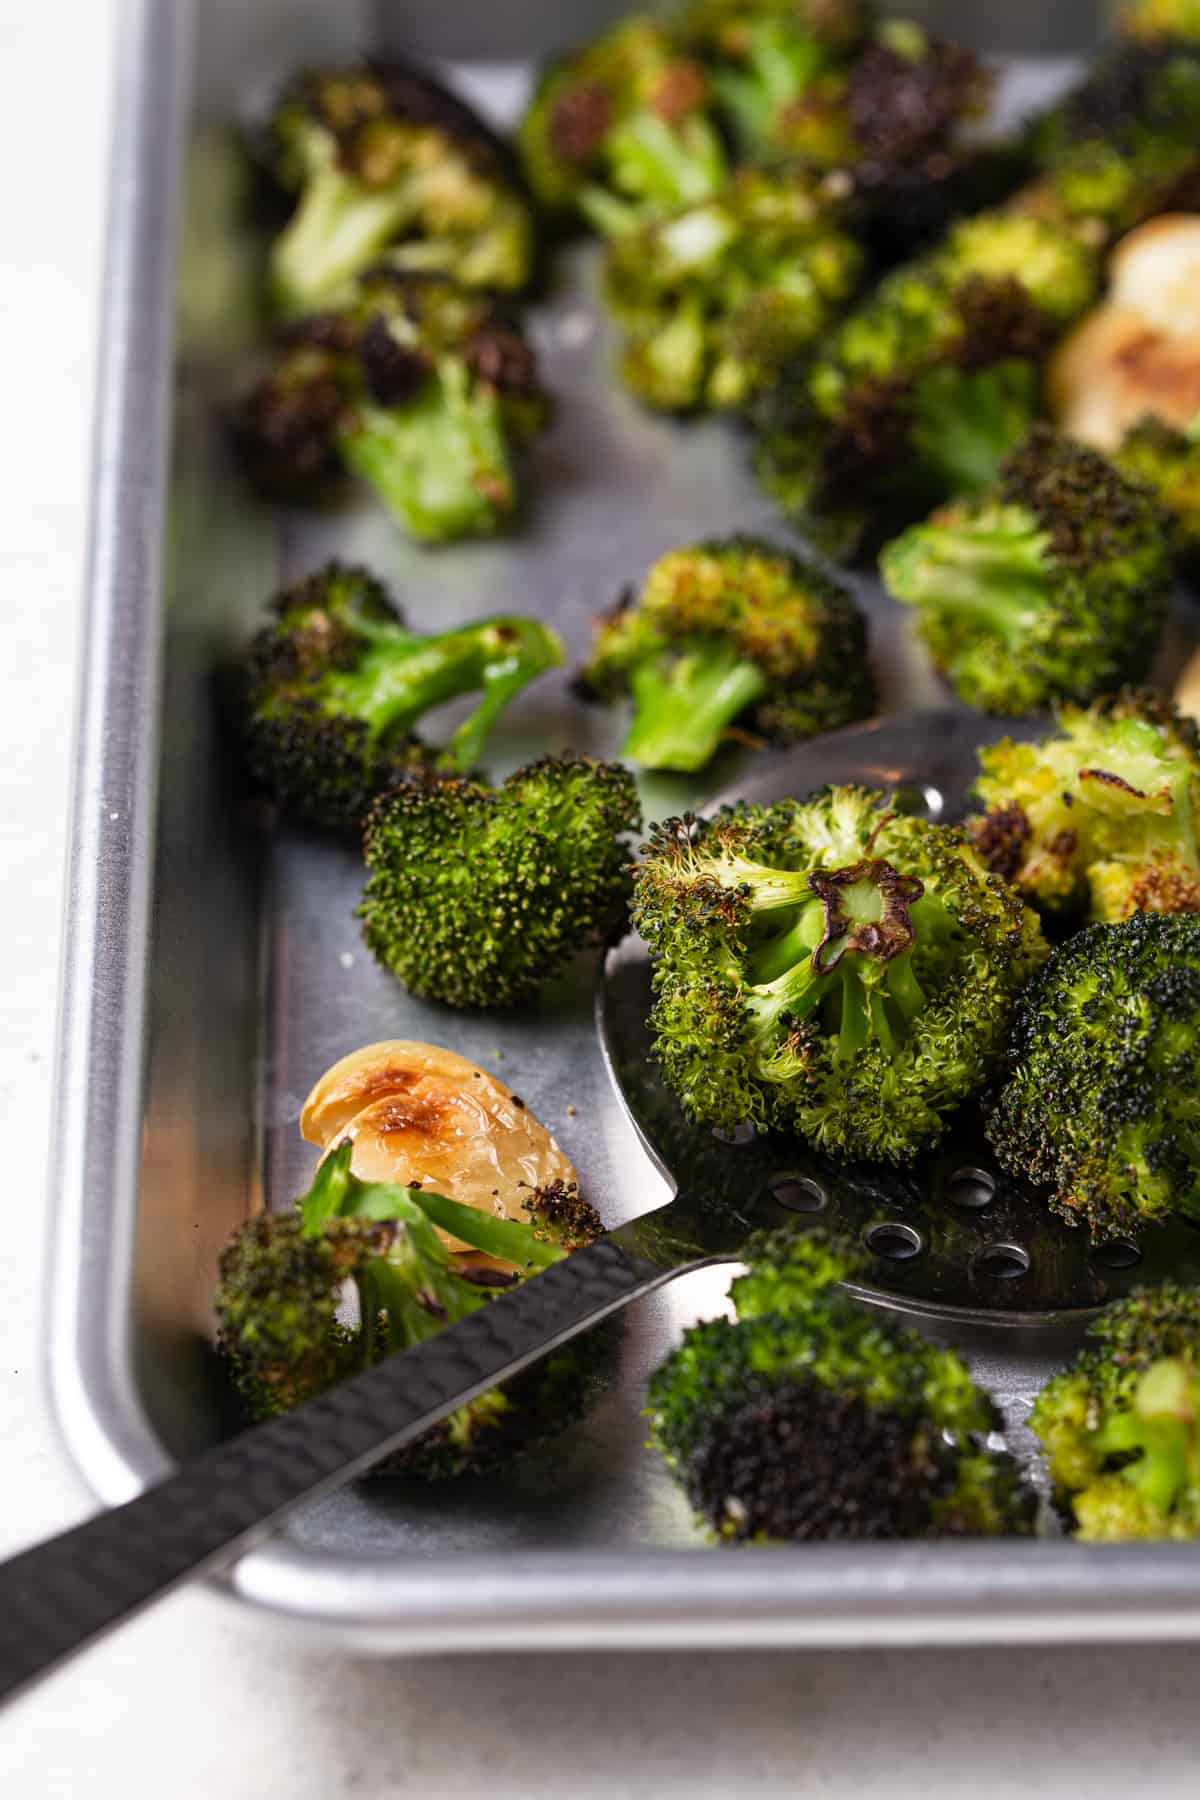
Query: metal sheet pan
[(210, 974)]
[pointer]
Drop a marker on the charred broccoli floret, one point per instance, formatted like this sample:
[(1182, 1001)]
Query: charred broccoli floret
[(1106, 810), (732, 632), (1168, 461), (1098, 1103), (336, 683), (830, 968), (422, 388), (1051, 585), (813, 1417), (476, 895), (621, 129), (284, 1333), (382, 159), (716, 299), (1121, 1426)]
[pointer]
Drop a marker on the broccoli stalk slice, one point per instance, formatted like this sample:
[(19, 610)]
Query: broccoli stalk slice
[(686, 699), (338, 229), (993, 569)]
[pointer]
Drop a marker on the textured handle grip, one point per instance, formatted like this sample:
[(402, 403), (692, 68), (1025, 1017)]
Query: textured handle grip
[(59, 1595)]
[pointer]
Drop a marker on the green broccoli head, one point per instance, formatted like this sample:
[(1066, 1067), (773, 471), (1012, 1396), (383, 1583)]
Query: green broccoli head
[(621, 129), (336, 684), (830, 968), (715, 299), (1052, 585), (285, 1336), (1121, 1426), (813, 1417), (1096, 1102), (548, 877), (384, 161), (1168, 462), (1104, 811), (730, 633)]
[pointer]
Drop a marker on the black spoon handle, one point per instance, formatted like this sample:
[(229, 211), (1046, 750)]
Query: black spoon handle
[(58, 1596)]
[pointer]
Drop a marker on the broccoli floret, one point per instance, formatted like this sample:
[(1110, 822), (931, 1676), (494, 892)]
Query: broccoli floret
[(1098, 1102), (1168, 461), (1121, 1426), (830, 968), (547, 877), (285, 1337), (813, 1417), (336, 683), (731, 632), (422, 388), (1106, 809), (1052, 585), (382, 159), (622, 129), (717, 298)]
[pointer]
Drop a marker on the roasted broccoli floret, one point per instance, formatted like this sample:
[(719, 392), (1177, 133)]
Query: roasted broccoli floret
[(1168, 461), (732, 632), (622, 129), (382, 159), (1051, 585), (716, 299), (829, 967), (475, 895), (336, 683), (813, 1417), (422, 388), (285, 1335), (1104, 811), (1099, 1098), (1121, 1426)]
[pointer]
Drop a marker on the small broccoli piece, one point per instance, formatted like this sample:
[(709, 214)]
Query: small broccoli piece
[(1098, 1103), (547, 877), (1121, 1426), (422, 388), (336, 683), (1106, 809), (620, 130), (1052, 585), (730, 632), (285, 1338), (813, 1417), (1168, 461), (382, 159), (830, 968)]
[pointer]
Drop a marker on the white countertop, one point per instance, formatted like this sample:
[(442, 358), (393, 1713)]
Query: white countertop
[(199, 1699)]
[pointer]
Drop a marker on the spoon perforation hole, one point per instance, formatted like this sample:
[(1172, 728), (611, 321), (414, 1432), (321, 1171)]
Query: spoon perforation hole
[(1120, 1254), (971, 1189), (798, 1193), (1002, 1262), (893, 1241)]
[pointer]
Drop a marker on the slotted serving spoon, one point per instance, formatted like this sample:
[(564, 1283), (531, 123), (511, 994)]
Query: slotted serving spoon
[(950, 1238)]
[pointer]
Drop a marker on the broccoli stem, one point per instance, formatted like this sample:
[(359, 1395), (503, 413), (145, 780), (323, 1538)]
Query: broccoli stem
[(338, 229), (686, 701), (993, 569), (665, 164), (779, 66)]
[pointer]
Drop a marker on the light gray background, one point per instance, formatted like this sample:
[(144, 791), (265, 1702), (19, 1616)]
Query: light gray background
[(198, 1699)]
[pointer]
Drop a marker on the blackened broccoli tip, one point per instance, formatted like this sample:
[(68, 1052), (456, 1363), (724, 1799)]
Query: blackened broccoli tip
[(382, 160), (1103, 812), (731, 634), (336, 683), (1052, 585), (829, 968), (1095, 1102), (285, 1336), (476, 895), (1121, 1426)]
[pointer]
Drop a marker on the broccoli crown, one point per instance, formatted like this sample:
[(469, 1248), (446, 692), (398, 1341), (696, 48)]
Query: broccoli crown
[(830, 968), (1121, 1426), (384, 160), (547, 869), (281, 1288), (423, 388), (731, 632), (336, 682), (813, 1417), (1106, 808), (1168, 461), (1052, 585), (1097, 1102), (620, 129), (716, 298)]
